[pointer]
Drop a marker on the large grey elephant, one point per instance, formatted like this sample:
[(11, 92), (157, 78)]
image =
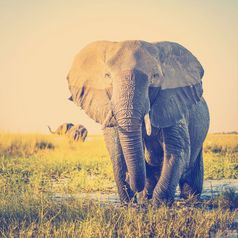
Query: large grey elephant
[(148, 97), (73, 132)]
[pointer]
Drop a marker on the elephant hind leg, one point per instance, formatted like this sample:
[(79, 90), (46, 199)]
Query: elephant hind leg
[(191, 184)]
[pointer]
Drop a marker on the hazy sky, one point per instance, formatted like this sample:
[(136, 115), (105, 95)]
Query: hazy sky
[(39, 39)]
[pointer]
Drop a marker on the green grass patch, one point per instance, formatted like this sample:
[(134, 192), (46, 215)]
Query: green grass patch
[(35, 167), (32, 216)]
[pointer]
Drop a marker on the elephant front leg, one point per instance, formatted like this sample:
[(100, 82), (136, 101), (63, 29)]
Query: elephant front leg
[(176, 158), (119, 165)]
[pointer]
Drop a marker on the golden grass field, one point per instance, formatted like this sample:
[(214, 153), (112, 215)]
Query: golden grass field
[(34, 167)]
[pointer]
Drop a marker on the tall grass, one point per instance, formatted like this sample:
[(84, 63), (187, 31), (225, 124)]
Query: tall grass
[(64, 165), (42, 218), (221, 156), (35, 167)]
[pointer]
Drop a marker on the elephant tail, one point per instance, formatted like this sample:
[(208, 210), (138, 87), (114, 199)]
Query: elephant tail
[(52, 132)]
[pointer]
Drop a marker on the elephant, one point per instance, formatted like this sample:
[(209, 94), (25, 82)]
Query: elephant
[(148, 97), (78, 132), (73, 132)]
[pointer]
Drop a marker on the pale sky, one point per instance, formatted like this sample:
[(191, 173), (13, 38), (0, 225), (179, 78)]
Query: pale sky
[(39, 39)]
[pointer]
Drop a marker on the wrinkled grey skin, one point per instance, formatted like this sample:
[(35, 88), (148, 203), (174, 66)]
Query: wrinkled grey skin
[(173, 154), (117, 84), (73, 132)]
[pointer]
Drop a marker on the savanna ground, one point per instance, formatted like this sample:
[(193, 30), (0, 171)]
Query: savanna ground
[(34, 168)]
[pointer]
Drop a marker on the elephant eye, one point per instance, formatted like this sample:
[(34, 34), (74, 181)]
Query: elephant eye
[(155, 75)]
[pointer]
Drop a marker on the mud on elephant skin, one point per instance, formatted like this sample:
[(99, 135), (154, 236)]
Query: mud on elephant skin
[(73, 132), (146, 95)]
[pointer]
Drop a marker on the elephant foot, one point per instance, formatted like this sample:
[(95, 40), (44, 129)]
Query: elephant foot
[(161, 197), (187, 192), (147, 196), (144, 197), (147, 193), (158, 202), (129, 201)]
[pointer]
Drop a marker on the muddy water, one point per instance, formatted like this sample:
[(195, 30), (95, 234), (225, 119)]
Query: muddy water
[(211, 188)]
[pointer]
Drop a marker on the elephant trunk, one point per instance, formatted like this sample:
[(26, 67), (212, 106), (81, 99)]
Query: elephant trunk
[(132, 148), (130, 103), (130, 136), (52, 132)]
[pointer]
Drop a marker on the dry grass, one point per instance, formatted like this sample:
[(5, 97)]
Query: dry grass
[(221, 156), (221, 143), (33, 167), (41, 217)]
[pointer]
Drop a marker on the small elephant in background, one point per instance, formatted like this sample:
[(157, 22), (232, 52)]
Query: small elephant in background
[(78, 132), (73, 132), (62, 129)]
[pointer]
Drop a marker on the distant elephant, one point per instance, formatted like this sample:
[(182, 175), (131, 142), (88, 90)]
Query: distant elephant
[(74, 132), (62, 129), (148, 97), (77, 132)]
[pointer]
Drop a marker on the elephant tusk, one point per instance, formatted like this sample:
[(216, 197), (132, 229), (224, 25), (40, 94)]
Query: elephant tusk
[(107, 119), (147, 124)]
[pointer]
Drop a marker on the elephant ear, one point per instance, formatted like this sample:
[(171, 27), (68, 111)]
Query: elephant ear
[(89, 81), (180, 84)]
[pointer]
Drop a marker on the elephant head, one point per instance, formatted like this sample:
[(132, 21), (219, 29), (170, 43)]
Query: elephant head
[(126, 84), (62, 129)]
